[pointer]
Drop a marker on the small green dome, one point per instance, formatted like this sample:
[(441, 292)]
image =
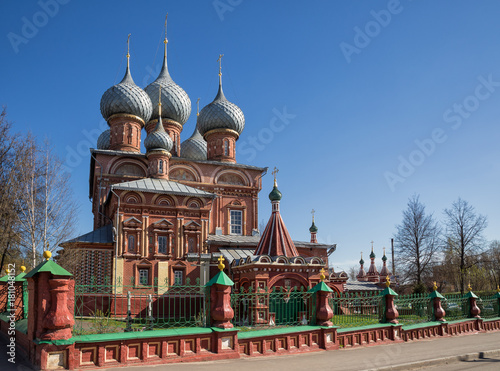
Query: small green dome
[(384, 258), (275, 194), (313, 228), (372, 255), (361, 261)]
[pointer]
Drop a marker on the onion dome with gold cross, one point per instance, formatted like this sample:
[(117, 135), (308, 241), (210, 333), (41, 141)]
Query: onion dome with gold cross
[(195, 147), (126, 98), (221, 114), (275, 194), (313, 228), (176, 104), (103, 142)]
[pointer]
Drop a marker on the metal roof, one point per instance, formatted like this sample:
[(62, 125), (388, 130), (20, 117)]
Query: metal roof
[(153, 185), (231, 254), (362, 286), (233, 240), (100, 235)]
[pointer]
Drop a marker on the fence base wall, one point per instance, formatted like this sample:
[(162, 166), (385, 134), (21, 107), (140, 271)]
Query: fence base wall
[(140, 348)]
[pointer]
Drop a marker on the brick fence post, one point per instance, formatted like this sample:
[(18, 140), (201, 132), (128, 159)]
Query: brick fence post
[(391, 314), (474, 311), (324, 312), (220, 285), (438, 312), (51, 313)]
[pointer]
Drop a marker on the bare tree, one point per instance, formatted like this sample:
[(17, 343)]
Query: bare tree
[(464, 232), (416, 243), (8, 231), (44, 201)]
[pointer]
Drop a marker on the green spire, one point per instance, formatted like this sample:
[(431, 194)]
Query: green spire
[(313, 228), (361, 262)]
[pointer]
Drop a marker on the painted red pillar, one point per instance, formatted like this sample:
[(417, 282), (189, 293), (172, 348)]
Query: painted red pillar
[(474, 311), (438, 312), (51, 301), (324, 312), (391, 313), (220, 299)]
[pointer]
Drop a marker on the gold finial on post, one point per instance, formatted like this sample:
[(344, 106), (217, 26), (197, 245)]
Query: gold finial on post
[(47, 254), (469, 287), (312, 212), (322, 274), (435, 287), (128, 51), (387, 281), (23, 268), (275, 172), (498, 288), (198, 107), (221, 265), (372, 245)]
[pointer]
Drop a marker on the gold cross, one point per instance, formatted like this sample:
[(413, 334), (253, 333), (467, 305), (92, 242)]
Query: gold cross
[(312, 212), (220, 64), (372, 245), (274, 172), (128, 46), (165, 41)]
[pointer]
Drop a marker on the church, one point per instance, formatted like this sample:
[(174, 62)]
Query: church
[(166, 216)]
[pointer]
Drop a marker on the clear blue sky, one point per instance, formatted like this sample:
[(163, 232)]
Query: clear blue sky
[(360, 81)]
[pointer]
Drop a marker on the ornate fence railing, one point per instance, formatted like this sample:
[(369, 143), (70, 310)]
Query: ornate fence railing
[(356, 309), (489, 307), (413, 308), (116, 308), (455, 306), (270, 308)]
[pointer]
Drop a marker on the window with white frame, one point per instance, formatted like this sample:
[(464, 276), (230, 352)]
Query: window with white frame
[(144, 276), (162, 244), (178, 277), (236, 222)]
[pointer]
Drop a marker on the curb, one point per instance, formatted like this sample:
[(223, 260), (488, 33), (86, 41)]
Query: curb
[(440, 361)]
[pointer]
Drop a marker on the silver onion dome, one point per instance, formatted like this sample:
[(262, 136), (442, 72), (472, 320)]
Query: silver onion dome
[(158, 139), (126, 97), (195, 147), (176, 104), (221, 114), (103, 142)]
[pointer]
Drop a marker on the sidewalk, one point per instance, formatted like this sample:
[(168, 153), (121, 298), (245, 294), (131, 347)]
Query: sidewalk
[(401, 356)]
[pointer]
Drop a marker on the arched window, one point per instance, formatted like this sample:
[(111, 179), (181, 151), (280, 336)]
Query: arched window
[(161, 167), (226, 147), (191, 245)]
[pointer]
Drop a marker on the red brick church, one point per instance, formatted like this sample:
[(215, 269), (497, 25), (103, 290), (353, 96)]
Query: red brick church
[(167, 215)]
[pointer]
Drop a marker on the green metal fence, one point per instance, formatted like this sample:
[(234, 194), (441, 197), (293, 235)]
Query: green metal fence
[(110, 308), (356, 309), (413, 308), (455, 306), (489, 307), (278, 307)]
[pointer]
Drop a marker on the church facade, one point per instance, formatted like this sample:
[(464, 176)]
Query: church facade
[(164, 217)]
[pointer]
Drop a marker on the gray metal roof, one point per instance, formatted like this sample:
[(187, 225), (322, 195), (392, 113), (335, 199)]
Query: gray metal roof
[(231, 254), (100, 235), (175, 102), (195, 147), (234, 240), (126, 97), (117, 153), (221, 114), (362, 286), (153, 185), (103, 142), (158, 139)]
